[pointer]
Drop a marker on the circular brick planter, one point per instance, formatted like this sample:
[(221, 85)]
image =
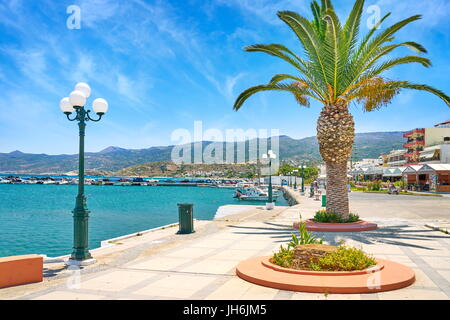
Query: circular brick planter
[(385, 276), (358, 226)]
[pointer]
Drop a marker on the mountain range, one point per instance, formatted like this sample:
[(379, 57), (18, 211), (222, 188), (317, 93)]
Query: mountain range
[(112, 159)]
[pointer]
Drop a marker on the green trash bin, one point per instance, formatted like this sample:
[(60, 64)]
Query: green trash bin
[(186, 218), (324, 200)]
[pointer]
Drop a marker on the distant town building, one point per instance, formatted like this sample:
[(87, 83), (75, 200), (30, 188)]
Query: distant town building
[(424, 163), (365, 163), (420, 139), (445, 124), (396, 158)]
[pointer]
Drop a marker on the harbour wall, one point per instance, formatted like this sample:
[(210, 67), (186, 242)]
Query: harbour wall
[(291, 196)]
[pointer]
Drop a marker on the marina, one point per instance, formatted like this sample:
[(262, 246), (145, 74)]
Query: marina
[(120, 181), (28, 226)]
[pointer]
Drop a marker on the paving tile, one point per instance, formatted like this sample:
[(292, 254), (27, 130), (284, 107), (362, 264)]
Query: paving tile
[(432, 251), (231, 290), (68, 295), (190, 252), (214, 244), (158, 263), (225, 236), (116, 281), (256, 292), (437, 262), (249, 245), (382, 249), (308, 296), (445, 274), (422, 280), (212, 266), (175, 286), (412, 294), (236, 255), (346, 296)]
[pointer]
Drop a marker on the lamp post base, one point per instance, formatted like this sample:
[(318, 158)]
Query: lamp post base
[(80, 263), (270, 205)]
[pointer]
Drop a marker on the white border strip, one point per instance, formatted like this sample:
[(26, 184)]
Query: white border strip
[(107, 243)]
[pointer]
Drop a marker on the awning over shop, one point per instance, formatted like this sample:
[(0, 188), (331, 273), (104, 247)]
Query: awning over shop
[(435, 167), (412, 169)]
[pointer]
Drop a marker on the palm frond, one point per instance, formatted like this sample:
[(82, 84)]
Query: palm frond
[(331, 47), (274, 50), (317, 22), (385, 36), (377, 92), (334, 65), (364, 66), (281, 77), (370, 34), (300, 93), (287, 55), (308, 38), (396, 62), (326, 4), (374, 93), (423, 87)]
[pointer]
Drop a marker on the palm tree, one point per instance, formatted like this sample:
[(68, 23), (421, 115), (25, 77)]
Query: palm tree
[(336, 69)]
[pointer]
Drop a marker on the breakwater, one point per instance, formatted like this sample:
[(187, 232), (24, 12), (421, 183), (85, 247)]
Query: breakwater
[(292, 197)]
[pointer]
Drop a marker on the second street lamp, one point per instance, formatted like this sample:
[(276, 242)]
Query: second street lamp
[(295, 179), (303, 178), (270, 155), (75, 103)]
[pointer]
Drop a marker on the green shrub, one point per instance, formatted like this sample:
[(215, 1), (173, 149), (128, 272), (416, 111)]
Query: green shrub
[(344, 259), (333, 217), (401, 184), (283, 257), (305, 237), (374, 186)]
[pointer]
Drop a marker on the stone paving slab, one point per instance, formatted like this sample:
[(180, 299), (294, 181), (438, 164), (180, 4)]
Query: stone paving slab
[(202, 265)]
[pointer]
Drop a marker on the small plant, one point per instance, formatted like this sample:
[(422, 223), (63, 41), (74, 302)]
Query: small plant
[(344, 259), (375, 186), (283, 257), (305, 237), (332, 217), (401, 184)]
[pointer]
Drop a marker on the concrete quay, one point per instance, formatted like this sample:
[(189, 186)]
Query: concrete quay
[(201, 265)]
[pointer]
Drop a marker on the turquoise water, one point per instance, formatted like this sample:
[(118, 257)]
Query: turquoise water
[(38, 218)]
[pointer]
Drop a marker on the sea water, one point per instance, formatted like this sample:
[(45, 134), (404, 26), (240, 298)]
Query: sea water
[(38, 218)]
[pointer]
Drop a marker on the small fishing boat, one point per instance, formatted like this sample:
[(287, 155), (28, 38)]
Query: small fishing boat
[(107, 182), (138, 182), (123, 182), (249, 192)]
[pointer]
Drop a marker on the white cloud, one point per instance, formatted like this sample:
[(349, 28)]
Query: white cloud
[(265, 10), (96, 11), (434, 12), (85, 69)]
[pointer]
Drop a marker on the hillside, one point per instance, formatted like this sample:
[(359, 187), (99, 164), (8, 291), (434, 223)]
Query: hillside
[(111, 159), (169, 169)]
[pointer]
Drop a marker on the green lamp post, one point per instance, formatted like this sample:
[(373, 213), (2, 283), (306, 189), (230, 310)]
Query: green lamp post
[(295, 179), (75, 103), (270, 155), (303, 178)]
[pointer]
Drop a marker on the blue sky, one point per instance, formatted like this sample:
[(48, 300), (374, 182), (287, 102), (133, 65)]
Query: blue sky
[(164, 64)]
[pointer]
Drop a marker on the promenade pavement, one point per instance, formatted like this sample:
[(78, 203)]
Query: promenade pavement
[(162, 265)]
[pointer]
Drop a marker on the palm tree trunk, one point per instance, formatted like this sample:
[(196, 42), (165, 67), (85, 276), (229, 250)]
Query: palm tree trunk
[(337, 193), (336, 133)]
